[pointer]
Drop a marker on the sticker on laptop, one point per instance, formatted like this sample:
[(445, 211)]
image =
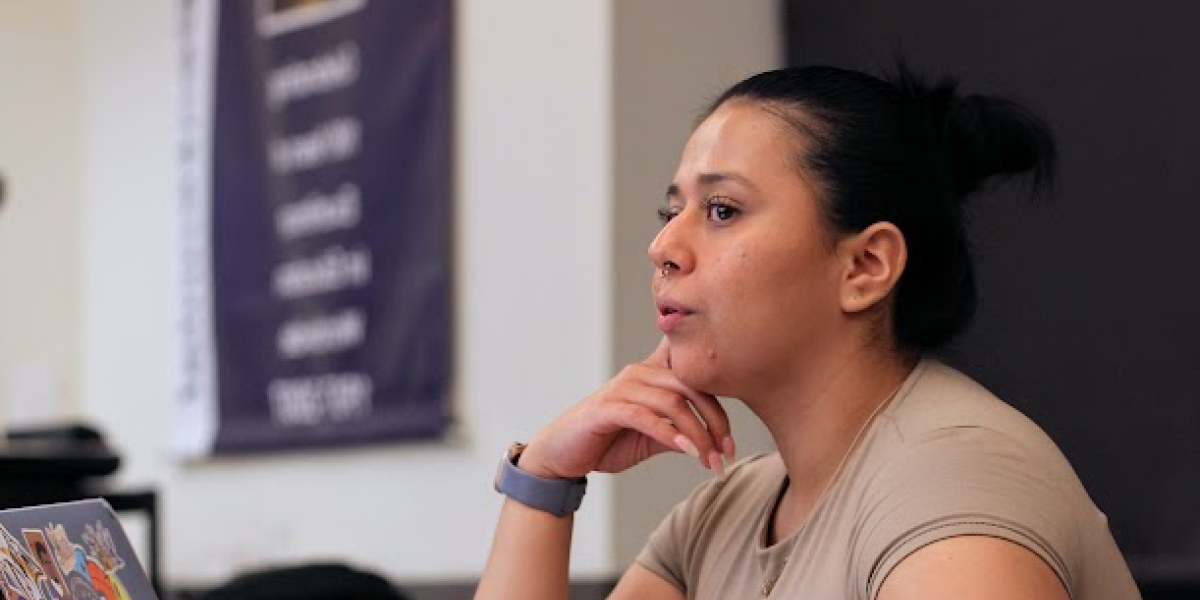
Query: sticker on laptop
[(48, 565)]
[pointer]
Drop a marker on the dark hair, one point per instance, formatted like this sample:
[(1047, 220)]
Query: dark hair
[(909, 153)]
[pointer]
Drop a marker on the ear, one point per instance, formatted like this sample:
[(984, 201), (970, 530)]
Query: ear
[(873, 260)]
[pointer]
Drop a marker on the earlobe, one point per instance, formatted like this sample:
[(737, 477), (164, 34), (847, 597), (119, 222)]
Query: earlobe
[(874, 261)]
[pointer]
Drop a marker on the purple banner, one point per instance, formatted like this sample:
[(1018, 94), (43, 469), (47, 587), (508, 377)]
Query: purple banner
[(331, 221)]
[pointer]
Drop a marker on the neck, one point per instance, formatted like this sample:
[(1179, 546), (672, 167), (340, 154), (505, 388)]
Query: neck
[(815, 418)]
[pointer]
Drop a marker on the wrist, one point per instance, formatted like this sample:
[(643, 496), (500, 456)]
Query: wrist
[(555, 495), (529, 462)]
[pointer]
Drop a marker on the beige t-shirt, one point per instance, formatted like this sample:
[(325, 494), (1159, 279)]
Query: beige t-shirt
[(946, 458)]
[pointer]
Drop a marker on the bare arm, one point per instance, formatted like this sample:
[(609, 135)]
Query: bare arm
[(640, 583), (529, 560), (530, 554), (975, 567), (641, 412)]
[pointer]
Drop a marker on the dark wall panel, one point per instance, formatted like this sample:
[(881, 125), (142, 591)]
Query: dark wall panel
[(1088, 319)]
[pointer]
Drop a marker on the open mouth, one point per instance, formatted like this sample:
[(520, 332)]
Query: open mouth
[(669, 315), (668, 307)]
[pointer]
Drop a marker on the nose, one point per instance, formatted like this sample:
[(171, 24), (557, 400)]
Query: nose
[(672, 246)]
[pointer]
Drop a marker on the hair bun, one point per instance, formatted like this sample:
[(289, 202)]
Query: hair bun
[(988, 136), (977, 137)]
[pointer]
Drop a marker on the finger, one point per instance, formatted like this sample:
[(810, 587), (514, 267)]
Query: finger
[(661, 357), (678, 409), (716, 420), (642, 419), (665, 379), (635, 448)]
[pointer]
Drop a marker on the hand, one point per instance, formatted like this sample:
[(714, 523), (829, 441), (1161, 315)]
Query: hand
[(643, 411)]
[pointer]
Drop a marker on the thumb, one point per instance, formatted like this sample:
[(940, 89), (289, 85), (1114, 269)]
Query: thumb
[(661, 357)]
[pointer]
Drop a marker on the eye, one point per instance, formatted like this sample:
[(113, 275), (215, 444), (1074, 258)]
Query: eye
[(719, 210), (666, 214)]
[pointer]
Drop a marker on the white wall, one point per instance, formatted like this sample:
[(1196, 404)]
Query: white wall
[(39, 222), (570, 119), (532, 318)]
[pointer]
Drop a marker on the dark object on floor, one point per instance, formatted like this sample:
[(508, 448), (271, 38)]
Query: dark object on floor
[(307, 582)]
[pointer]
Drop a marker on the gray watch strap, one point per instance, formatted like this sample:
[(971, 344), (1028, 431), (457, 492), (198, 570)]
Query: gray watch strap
[(559, 497)]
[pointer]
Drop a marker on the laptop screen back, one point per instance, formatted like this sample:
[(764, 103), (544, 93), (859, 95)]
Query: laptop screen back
[(71, 551)]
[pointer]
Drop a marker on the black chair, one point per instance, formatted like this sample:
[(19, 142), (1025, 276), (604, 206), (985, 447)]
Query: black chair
[(321, 581)]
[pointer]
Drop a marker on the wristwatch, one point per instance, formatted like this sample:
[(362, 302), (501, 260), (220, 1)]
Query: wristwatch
[(559, 497)]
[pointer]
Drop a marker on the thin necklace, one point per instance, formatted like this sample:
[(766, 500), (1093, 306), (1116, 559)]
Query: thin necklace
[(770, 581)]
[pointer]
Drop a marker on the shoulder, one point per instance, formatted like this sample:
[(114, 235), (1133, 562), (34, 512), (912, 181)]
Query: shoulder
[(938, 396), (942, 407), (952, 460), (947, 432)]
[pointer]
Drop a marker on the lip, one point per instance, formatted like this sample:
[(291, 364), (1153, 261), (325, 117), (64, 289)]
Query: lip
[(670, 314)]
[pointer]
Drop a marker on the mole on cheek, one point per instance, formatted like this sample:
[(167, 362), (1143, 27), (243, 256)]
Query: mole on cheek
[(712, 354)]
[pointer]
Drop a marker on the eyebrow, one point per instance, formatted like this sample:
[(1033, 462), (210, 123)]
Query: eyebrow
[(711, 179)]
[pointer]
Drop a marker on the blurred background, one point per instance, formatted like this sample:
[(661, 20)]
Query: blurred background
[(567, 120)]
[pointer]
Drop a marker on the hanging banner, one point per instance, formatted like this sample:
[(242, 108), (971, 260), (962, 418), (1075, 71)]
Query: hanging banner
[(316, 223)]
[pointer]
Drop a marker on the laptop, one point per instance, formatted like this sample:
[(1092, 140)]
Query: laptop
[(71, 551)]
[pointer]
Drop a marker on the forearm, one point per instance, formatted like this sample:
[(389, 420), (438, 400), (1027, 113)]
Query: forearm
[(530, 556), (641, 412)]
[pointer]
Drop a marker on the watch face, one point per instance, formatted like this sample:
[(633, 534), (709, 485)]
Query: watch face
[(515, 450)]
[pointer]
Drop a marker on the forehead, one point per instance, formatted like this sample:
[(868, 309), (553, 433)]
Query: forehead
[(742, 139)]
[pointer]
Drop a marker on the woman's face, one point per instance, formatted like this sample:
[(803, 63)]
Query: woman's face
[(753, 290)]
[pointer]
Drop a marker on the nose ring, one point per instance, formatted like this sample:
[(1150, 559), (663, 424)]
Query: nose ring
[(666, 268)]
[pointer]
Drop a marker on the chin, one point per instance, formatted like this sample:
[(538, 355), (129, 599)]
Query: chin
[(700, 374)]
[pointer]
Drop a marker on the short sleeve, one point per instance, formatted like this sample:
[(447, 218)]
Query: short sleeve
[(677, 548), (668, 550), (967, 481)]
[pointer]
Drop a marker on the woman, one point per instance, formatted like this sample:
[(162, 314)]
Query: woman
[(812, 251)]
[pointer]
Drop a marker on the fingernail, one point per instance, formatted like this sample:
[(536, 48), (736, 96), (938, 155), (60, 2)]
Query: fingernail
[(714, 462), (687, 446), (728, 448)]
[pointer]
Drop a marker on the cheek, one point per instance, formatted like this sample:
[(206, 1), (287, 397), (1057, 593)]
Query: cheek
[(773, 296), (761, 301), (734, 316), (760, 285)]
